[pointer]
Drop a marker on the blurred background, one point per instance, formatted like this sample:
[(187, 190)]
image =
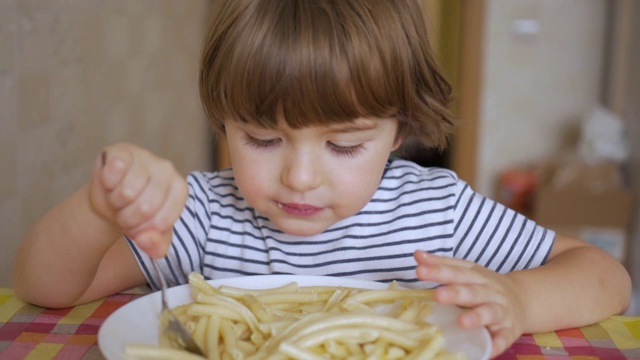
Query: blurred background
[(546, 91)]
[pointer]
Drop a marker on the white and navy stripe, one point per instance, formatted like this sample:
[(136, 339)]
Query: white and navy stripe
[(219, 235)]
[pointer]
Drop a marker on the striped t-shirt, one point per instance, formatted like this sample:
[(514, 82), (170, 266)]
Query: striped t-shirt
[(219, 235)]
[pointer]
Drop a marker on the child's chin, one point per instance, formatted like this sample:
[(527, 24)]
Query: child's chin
[(302, 229)]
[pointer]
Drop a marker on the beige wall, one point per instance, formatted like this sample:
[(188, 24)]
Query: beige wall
[(534, 88), (623, 94), (77, 75)]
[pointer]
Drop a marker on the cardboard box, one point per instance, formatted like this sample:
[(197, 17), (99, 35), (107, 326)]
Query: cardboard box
[(587, 201)]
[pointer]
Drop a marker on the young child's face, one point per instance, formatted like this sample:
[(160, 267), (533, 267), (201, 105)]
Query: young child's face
[(306, 180)]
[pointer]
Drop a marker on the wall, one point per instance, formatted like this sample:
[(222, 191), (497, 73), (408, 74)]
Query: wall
[(624, 92), (77, 75), (535, 87)]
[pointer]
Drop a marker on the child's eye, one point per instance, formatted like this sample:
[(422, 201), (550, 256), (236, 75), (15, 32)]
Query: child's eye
[(349, 151), (261, 143)]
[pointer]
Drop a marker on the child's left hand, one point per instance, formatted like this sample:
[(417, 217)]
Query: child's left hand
[(492, 299)]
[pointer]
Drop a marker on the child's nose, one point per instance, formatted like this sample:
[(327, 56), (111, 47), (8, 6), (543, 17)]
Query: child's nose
[(300, 172)]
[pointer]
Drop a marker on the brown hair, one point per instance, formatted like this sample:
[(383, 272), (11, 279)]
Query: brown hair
[(317, 62)]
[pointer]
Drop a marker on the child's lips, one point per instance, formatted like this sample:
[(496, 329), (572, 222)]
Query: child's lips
[(299, 209)]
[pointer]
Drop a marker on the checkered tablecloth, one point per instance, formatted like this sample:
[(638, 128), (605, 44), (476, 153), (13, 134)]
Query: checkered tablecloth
[(31, 332), (616, 338)]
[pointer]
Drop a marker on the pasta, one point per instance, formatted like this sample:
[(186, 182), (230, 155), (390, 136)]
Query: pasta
[(296, 322)]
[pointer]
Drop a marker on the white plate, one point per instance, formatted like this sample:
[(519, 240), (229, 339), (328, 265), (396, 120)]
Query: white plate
[(137, 322)]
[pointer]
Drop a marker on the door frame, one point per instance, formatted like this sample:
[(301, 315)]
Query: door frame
[(464, 145)]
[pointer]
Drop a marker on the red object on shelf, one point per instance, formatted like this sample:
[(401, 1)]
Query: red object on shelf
[(517, 189)]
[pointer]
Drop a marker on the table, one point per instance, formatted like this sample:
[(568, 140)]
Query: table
[(31, 332)]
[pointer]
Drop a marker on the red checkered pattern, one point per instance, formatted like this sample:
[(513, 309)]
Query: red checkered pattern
[(28, 331), (616, 338)]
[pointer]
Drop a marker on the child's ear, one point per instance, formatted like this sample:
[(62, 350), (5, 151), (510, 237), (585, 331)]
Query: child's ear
[(396, 144)]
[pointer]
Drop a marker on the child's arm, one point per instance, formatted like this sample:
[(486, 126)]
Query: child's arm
[(76, 253), (579, 285)]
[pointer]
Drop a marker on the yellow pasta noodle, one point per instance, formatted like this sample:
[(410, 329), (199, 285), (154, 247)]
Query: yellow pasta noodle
[(315, 322)]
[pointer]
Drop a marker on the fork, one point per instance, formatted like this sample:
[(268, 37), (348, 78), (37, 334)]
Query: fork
[(174, 329)]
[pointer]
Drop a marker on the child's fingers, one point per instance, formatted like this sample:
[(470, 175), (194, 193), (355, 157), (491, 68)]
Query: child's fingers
[(424, 258), (154, 243), (115, 165), (133, 184), (147, 203), (501, 340), (158, 207), (157, 234), (450, 274), (467, 295), (172, 208), (484, 315), (162, 222), (110, 171)]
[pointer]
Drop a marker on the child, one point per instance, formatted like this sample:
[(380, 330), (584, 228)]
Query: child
[(312, 97)]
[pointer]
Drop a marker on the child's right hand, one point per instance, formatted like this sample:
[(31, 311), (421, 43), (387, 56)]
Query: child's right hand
[(140, 194)]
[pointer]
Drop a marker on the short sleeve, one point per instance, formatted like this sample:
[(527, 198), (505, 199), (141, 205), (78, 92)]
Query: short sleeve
[(494, 236)]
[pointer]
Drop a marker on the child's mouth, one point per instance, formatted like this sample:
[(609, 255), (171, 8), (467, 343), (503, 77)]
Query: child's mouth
[(299, 209)]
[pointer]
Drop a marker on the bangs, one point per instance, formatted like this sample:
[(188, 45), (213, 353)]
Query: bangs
[(306, 61), (320, 62)]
